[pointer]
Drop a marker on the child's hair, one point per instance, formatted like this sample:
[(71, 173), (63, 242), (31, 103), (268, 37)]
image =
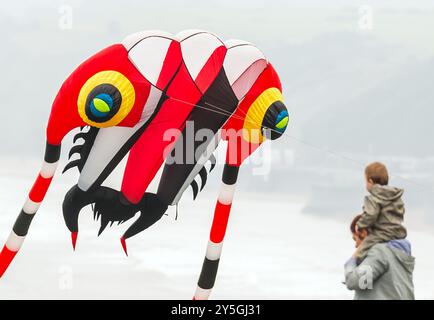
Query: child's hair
[(377, 172)]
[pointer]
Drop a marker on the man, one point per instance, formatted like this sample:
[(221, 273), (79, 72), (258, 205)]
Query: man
[(385, 274)]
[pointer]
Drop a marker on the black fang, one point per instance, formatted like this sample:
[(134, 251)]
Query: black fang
[(82, 150), (203, 176)]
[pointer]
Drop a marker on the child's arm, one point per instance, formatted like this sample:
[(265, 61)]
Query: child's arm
[(371, 210)]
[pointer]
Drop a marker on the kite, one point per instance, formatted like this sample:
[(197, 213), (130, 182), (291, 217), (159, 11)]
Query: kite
[(125, 99)]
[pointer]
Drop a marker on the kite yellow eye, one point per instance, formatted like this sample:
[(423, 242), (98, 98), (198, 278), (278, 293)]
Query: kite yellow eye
[(105, 99), (268, 111)]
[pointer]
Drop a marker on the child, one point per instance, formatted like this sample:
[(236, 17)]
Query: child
[(383, 210)]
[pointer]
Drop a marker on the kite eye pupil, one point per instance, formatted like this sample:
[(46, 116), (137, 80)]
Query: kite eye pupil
[(103, 103), (282, 121)]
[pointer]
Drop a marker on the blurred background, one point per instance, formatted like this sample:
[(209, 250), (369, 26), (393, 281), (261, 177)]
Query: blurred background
[(357, 79)]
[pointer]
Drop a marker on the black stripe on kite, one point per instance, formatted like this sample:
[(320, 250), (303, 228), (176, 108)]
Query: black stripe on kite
[(208, 274), (22, 223), (52, 153), (230, 174)]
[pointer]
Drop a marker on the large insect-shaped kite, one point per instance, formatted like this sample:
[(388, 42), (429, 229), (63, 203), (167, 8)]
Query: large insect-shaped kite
[(129, 95)]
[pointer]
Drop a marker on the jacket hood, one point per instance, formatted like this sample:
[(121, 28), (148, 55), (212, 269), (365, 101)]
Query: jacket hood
[(402, 251), (386, 193)]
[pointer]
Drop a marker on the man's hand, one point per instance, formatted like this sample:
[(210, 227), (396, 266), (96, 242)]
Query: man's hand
[(356, 253)]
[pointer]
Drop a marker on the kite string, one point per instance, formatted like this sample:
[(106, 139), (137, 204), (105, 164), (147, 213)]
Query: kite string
[(222, 111), (303, 142)]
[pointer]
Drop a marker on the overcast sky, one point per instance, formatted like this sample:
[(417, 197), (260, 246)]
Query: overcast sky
[(324, 53)]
